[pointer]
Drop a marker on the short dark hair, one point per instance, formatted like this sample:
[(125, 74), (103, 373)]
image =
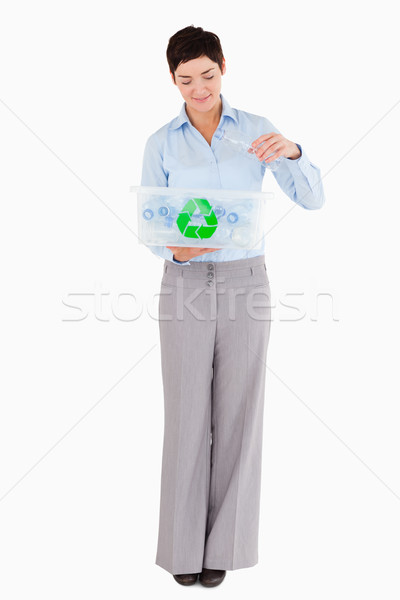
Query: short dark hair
[(193, 42)]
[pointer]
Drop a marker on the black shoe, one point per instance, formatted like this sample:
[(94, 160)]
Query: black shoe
[(211, 577), (186, 578)]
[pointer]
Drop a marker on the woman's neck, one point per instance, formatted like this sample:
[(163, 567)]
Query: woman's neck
[(208, 120)]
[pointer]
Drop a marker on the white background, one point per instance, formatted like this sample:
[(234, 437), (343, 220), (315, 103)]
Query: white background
[(82, 86)]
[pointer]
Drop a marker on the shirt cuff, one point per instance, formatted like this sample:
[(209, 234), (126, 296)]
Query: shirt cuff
[(299, 157), (170, 256), (178, 262), (302, 162)]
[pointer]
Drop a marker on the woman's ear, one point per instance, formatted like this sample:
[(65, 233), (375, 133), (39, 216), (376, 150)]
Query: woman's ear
[(173, 78)]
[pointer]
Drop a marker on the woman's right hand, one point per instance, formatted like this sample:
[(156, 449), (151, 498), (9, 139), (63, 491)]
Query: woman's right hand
[(182, 253)]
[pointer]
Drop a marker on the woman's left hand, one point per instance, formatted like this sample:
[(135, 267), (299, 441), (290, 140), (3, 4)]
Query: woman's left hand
[(275, 142)]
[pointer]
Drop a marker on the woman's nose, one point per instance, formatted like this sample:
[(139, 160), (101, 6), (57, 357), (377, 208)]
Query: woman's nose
[(200, 92)]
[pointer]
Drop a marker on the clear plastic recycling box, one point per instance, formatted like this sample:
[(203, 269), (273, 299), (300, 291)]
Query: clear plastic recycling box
[(199, 217)]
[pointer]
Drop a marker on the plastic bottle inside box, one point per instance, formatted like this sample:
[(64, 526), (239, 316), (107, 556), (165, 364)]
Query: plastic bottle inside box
[(204, 218)]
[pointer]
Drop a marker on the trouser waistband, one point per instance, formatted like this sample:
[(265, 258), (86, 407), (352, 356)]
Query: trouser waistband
[(245, 265)]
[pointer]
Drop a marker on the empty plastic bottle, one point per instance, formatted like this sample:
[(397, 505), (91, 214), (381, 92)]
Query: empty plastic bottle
[(240, 213), (241, 236), (239, 142), (152, 208), (163, 211), (232, 217), (148, 214), (219, 211)]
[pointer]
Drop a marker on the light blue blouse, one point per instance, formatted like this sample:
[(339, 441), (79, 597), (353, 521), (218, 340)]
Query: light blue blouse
[(177, 155)]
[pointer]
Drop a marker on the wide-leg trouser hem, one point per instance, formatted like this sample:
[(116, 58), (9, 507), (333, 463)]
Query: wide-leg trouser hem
[(208, 564), (179, 571), (227, 566)]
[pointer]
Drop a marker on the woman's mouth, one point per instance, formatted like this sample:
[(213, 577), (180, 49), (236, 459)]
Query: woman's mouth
[(202, 99)]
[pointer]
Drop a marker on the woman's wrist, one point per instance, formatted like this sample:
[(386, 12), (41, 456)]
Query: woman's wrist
[(180, 259), (177, 259)]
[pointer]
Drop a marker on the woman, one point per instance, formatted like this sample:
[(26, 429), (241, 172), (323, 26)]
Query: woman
[(213, 339)]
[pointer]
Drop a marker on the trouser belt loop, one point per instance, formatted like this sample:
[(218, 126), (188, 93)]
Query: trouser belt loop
[(252, 270)]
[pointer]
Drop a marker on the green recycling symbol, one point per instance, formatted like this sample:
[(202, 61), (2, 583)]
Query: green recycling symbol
[(197, 231)]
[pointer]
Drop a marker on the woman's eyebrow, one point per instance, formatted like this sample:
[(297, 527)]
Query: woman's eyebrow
[(204, 72)]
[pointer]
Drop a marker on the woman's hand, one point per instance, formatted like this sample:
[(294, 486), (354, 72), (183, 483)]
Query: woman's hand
[(275, 142), (182, 253)]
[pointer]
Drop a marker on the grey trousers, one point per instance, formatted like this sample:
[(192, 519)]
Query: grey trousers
[(214, 321)]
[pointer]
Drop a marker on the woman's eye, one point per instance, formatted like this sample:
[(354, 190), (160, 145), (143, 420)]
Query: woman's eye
[(187, 83)]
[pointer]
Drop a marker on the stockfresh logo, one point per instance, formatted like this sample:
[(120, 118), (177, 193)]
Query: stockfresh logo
[(184, 220)]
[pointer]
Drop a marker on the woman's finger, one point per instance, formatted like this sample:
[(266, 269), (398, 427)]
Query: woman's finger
[(273, 149), (263, 138)]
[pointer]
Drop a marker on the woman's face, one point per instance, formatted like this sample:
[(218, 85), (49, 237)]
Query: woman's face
[(199, 82)]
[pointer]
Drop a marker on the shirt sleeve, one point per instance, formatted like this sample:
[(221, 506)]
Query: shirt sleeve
[(299, 178), (153, 174)]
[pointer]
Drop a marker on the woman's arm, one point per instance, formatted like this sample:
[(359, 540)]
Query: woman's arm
[(299, 178)]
